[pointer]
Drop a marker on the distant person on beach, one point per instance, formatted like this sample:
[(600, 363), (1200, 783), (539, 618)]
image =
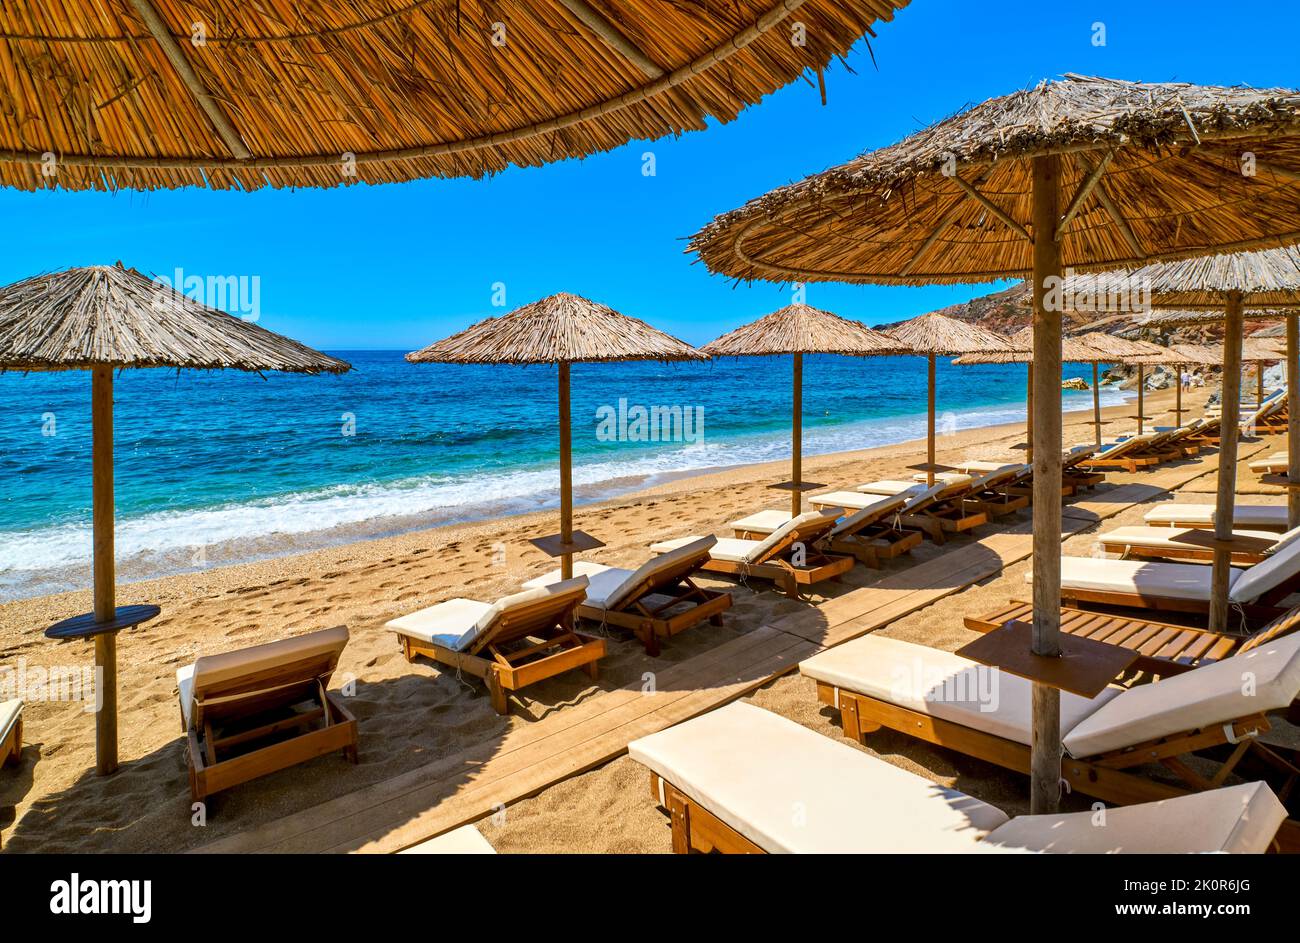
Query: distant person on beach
[(1187, 380)]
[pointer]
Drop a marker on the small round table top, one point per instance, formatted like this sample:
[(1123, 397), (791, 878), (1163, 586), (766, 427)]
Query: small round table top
[(85, 626)]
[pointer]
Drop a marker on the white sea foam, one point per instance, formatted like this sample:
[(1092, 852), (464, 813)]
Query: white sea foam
[(57, 557)]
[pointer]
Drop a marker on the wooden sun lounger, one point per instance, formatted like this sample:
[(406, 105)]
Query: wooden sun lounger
[(1113, 773), (1275, 464), (871, 534), (258, 710), (729, 778), (1180, 587), (1124, 455), (1164, 649), (789, 558), (510, 644), (1190, 543), (11, 730), (952, 511), (1244, 516), (656, 601)]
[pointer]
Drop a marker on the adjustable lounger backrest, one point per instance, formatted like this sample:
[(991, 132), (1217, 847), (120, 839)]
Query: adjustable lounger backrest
[(263, 677), (1076, 455), (806, 528), (1263, 679), (660, 571), (870, 514), (1282, 564), (1280, 627), (520, 614), (1116, 449), (923, 499)]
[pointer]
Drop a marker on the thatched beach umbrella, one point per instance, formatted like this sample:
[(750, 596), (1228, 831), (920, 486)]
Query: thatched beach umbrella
[(1189, 355), (1223, 287), (158, 93), (562, 329), (105, 318), (799, 329), (1085, 172), (1145, 354), (937, 335)]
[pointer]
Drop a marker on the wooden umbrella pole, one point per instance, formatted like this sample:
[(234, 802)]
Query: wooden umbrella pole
[(1141, 408), (1292, 417), (101, 407), (1029, 413), (1178, 395), (1259, 383), (1096, 404), (929, 429), (796, 438), (1045, 736), (1230, 398), (566, 475)]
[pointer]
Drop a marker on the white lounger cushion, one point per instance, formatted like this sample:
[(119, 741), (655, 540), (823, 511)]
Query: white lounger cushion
[(940, 684), (609, 586), (735, 550), (457, 623), (890, 486), (791, 790), (1268, 516), (1263, 679), (765, 522), (1156, 580), (228, 666), (976, 466), (861, 500), (1176, 538), (1238, 819), (466, 840), (1270, 573), (10, 711)]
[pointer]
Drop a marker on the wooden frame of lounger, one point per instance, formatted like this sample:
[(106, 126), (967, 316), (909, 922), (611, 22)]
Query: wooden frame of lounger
[(648, 621), (1008, 496), (1128, 460), (870, 543), (818, 565), (256, 693), (555, 647), (947, 513), (1163, 649), (1107, 776), (695, 828), (11, 746)]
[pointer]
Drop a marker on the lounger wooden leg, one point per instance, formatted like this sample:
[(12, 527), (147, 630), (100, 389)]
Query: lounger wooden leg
[(849, 720), (680, 814), (593, 668), (496, 692)]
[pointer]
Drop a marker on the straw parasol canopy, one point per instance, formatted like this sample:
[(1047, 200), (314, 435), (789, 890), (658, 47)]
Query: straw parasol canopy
[(160, 93), (1151, 171), (799, 329), (1266, 279), (105, 318), (112, 316), (938, 335), (1084, 172), (562, 329)]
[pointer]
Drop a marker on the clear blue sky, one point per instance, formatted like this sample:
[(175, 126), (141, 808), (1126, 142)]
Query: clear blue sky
[(402, 265)]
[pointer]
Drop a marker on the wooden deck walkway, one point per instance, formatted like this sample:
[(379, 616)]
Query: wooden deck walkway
[(462, 788)]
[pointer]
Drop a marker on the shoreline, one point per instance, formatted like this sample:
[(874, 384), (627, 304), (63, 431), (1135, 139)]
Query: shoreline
[(179, 561)]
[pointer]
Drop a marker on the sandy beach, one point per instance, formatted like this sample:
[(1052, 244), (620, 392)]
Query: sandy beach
[(412, 714)]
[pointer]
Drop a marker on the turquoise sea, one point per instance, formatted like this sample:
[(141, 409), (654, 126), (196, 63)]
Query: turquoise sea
[(216, 468)]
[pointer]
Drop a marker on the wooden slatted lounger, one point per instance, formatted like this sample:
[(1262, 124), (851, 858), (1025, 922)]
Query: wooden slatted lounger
[(1007, 486), (1246, 516), (1180, 587), (233, 703), (1275, 464), (788, 556), (1191, 543), (871, 534), (1122, 455), (959, 704), (950, 510), (509, 644), (1164, 649), (655, 601), (729, 779)]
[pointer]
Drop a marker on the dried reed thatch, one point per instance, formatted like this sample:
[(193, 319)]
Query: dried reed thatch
[(1163, 318), (943, 336), (1155, 171), (280, 94), (1201, 355), (1254, 350), (1266, 279), (560, 328), (1073, 350), (801, 329), (111, 316)]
